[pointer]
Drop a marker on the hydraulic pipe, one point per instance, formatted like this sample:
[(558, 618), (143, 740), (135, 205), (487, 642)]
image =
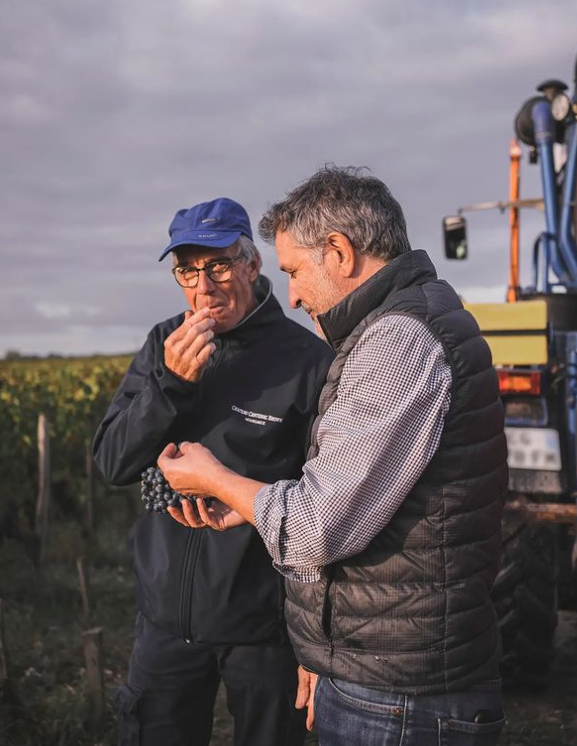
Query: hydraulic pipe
[(571, 401), (514, 214), (567, 244), (543, 124)]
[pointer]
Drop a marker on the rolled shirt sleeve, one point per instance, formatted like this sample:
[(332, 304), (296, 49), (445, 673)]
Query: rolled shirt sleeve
[(375, 441)]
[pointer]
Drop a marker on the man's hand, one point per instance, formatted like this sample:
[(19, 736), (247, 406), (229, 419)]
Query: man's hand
[(306, 694), (191, 469), (217, 515), (189, 348), (188, 468)]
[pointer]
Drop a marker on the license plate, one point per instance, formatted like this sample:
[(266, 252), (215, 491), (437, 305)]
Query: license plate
[(533, 448)]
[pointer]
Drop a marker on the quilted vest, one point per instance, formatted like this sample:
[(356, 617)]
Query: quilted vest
[(412, 613)]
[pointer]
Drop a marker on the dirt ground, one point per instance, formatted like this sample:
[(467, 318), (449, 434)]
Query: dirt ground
[(43, 629), (534, 718), (549, 717)]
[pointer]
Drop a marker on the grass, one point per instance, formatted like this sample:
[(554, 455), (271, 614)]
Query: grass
[(47, 701)]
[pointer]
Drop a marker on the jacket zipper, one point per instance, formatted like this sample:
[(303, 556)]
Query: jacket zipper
[(217, 357), (190, 558), (192, 547), (326, 612)]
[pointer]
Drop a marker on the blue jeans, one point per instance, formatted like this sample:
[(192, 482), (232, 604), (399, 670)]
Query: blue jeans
[(352, 715)]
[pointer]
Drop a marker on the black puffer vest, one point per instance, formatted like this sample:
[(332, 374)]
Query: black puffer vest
[(412, 613)]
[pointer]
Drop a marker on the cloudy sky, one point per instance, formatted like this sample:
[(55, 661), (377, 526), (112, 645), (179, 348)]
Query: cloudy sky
[(116, 113)]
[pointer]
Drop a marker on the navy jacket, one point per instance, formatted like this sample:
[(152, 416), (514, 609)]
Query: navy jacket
[(253, 409)]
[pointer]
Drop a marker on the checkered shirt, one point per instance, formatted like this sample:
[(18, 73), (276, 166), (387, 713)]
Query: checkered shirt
[(375, 441)]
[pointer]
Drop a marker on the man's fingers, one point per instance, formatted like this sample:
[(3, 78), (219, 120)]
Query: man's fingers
[(197, 336), (205, 516), (195, 330), (169, 452), (307, 682), (190, 321), (193, 518), (203, 512), (183, 355), (178, 516), (190, 354), (180, 343), (206, 353), (304, 690), (191, 318), (311, 703)]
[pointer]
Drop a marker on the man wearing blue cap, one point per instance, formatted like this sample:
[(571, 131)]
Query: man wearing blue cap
[(235, 374)]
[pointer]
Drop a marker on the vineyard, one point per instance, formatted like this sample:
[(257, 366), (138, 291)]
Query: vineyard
[(73, 394), (45, 699)]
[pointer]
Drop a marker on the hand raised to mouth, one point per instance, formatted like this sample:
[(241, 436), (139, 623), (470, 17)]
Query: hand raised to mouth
[(190, 346)]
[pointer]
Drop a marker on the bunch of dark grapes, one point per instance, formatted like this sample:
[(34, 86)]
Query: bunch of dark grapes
[(156, 492)]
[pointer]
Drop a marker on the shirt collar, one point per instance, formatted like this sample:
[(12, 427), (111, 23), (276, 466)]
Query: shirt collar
[(410, 268)]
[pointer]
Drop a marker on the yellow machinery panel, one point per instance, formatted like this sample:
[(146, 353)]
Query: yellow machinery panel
[(515, 332)]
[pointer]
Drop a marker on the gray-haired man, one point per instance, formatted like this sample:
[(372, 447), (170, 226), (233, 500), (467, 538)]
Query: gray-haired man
[(238, 375), (390, 539)]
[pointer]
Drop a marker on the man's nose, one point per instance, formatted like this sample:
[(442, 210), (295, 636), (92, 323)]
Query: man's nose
[(294, 298), (205, 284)]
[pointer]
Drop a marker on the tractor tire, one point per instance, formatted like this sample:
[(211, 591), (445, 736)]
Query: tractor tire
[(526, 597)]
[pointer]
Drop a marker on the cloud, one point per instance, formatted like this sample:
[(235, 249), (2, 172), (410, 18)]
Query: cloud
[(115, 115)]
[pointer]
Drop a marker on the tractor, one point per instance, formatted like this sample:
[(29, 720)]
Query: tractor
[(533, 340)]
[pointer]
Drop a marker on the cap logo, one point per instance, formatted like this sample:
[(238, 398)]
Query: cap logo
[(208, 220), (207, 235)]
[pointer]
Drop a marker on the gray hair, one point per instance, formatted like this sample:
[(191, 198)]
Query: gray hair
[(246, 248), (344, 200)]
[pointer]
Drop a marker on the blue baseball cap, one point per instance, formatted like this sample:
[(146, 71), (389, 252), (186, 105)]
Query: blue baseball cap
[(216, 224)]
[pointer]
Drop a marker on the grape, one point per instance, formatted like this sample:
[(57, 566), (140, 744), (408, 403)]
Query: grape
[(156, 493)]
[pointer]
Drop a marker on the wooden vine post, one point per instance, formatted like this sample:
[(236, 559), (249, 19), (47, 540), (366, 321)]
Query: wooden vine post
[(84, 583), (92, 645), (90, 487), (43, 500), (3, 661)]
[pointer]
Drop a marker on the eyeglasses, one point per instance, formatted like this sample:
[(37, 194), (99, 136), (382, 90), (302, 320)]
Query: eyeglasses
[(218, 270)]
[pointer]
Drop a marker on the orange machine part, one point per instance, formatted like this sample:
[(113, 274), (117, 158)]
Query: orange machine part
[(519, 382), (514, 191)]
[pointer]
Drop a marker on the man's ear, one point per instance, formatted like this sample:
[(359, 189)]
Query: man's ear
[(342, 253), (254, 267)]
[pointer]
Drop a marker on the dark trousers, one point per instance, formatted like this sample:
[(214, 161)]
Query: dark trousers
[(172, 686)]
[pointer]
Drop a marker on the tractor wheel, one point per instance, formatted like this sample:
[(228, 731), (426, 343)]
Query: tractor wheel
[(525, 597)]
